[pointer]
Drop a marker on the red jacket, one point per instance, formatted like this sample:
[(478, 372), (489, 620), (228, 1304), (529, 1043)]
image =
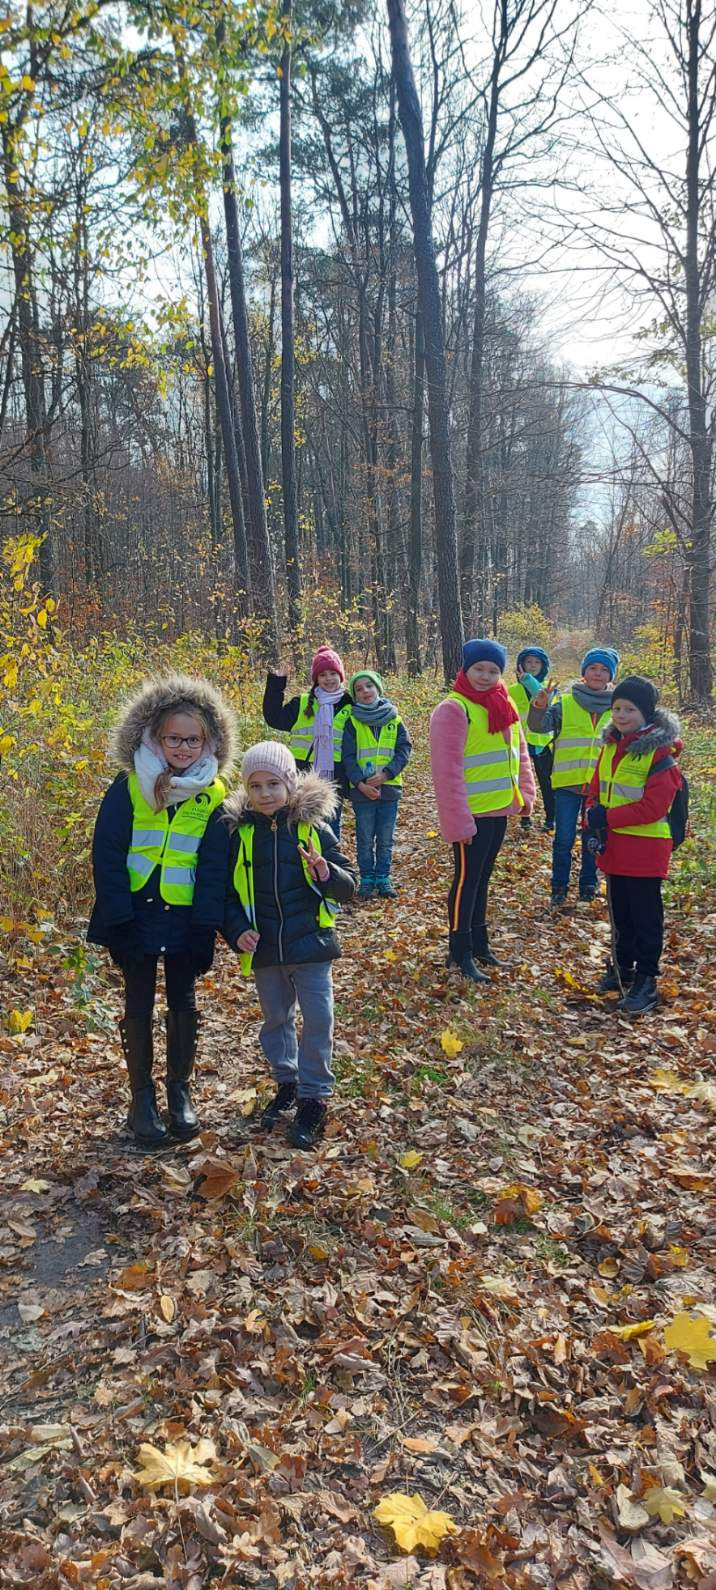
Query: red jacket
[(634, 855)]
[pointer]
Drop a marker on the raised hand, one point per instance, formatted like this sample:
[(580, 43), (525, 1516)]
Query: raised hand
[(316, 863), (540, 700)]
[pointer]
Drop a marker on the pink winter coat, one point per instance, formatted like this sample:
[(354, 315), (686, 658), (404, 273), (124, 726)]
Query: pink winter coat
[(448, 733)]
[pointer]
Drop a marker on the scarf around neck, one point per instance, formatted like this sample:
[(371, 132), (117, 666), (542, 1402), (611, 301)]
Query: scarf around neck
[(376, 713), (594, 701), (149, 763), (323, 730), (501, 710)]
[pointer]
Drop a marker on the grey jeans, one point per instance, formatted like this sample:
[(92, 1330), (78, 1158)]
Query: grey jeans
[(280, 990)]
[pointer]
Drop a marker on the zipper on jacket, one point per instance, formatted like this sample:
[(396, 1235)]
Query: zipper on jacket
[(274, 830)]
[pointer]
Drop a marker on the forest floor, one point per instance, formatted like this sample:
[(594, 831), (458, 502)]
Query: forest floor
[(466, 1294)]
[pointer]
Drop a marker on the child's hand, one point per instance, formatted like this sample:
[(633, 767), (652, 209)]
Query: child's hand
[(376, 779), (247, 942), (316, 863), (281, 671), (540, 700), (369, 790)]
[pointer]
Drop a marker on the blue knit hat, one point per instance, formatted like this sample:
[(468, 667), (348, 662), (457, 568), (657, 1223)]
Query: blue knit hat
[(534, 651), (607, 655), (475, 651)]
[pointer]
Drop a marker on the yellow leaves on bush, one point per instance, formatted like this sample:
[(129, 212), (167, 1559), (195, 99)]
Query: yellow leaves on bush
[(665, 1503), (180, 1465), (450, 1044), (19, 1020), (412, 1523), (691, 1335)]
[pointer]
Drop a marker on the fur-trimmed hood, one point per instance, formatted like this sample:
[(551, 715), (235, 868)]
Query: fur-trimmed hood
[(663, 733), (166, 692), (314, 800)]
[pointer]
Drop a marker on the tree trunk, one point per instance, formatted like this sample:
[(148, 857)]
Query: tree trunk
[(288, 445), (429, 298), (415, 556), (700, 669)]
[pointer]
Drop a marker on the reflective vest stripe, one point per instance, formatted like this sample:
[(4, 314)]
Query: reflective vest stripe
[(172, 847), (490, 752), (374, 753), (327, 910), (580, 737), (522, 702), (633, 772)]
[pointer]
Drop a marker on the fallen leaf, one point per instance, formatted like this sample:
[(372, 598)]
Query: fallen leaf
[(19, 1020), (691, 1335), (412, 1523), (627, 1333), (167, 1307), (35, 1184), (665, 1502), (179, 1464), (410, 1160), (450, 1044), (631, 1514)]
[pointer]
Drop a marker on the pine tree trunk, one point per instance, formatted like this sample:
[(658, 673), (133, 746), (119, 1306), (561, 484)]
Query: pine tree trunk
[(288, 445)]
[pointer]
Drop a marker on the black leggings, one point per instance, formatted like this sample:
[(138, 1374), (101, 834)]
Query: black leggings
[(140, 982), (542, 765), (638, 912), (467, 900)]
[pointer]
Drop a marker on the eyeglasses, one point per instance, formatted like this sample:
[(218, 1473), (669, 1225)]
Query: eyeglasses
[(174, 741)]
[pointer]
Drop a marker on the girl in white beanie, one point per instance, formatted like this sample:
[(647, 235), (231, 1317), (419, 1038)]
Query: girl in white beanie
[(286, 880)]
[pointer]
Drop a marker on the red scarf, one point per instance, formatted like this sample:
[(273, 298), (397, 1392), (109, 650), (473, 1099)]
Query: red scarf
[(500, 709)]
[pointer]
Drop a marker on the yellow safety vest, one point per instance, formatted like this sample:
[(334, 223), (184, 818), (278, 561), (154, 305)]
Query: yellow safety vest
[(326, 911), (301, 740), (522, 702), (577, 745), (171, 846), (372, 755), (491, 765), (625, 786)]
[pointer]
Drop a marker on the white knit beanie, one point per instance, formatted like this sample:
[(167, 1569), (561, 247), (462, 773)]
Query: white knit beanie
[(270, 756)]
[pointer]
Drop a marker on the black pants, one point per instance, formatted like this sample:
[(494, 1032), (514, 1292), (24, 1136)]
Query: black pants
[(542, 765), (140, 982), (467, 900), (638, 912)]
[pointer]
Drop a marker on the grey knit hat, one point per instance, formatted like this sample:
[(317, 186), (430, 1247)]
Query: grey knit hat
[(270, 756)]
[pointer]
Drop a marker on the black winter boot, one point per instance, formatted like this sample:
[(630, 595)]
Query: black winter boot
[(642, 996), (143, 1119), (481, 949), (609, 984), (182, 1027), (460, 955), (284, 1099), (308, 1123)]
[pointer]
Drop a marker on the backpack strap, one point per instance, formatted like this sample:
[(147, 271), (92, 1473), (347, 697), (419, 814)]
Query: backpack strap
[(662, 766)]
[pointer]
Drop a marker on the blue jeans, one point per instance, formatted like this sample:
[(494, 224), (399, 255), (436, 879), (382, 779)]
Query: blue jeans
[(375, 826), (567, 812), (307, 1060)]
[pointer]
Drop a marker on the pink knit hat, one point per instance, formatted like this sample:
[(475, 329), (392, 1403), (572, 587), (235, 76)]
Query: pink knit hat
[(325, 657), (270, 756)]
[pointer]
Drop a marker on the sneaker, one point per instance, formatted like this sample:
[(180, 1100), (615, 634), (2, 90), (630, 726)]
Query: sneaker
[(547, 827), (385, 889), (559, 898), (367, 886), (308, 1123), (525, 823), (284, 1099), (588, 895), (466, 965), (641, 998), (610, 984)]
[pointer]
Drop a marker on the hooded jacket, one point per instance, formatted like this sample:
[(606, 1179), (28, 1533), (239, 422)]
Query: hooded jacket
[(285, 904), (635, 855), (160, 927)]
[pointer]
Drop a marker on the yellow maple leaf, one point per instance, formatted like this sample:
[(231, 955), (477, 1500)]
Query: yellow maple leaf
[(410, 1160), (450, 1043), (709, 1492), (665, 1501), (19, 1020), (627, 1333), (689, 1335), (412, 1523), (179, 1464)]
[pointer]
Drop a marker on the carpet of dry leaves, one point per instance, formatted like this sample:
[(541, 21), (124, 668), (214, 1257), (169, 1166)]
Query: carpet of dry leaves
[(491, 1288)]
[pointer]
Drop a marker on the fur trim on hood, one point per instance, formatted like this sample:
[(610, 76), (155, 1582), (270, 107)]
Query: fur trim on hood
[(664, 732), (314, 800), (167, 691)]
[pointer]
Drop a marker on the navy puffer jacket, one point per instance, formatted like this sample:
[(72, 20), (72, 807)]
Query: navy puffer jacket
[(286, 906)]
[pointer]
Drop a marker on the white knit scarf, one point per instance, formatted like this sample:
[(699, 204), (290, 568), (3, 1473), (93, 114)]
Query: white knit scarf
[(149, 762), (323, 730)]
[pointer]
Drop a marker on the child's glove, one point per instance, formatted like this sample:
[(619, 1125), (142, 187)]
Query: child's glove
[(597, 817), (202, 950), (123, 945)]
